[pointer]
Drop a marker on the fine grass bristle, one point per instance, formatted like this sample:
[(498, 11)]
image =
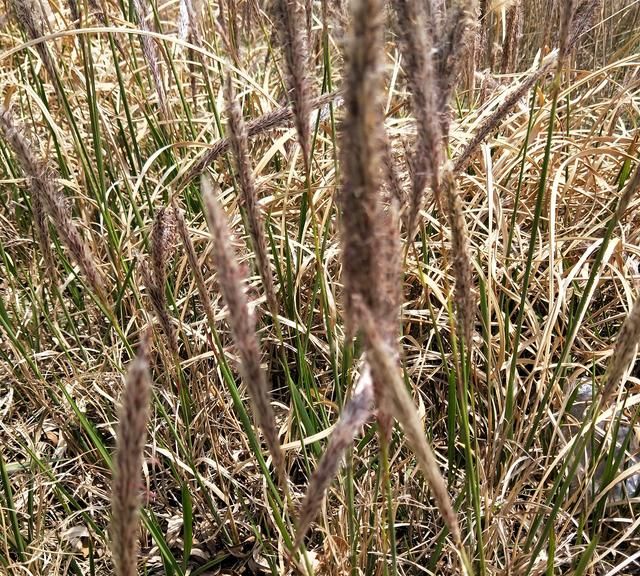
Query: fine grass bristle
[(231, 284), (127, 464)]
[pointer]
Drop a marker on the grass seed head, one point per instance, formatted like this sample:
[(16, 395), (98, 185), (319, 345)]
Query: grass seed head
[(131, 435), (362, 154), (462, 269), (417, 51), (294, 40), (231, 284), (240, 147), (47, 198)]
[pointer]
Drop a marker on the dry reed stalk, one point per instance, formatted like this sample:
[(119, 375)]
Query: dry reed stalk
[(383, 362), (242, 325), (150, 52), (464, 294), (131, 434), (417, 47), (240, 146), (45, 195), (354, 415), (502, 110), (623, 353), (362, 154), (155, 278), (294, 39), (262, 124), (183, 232)]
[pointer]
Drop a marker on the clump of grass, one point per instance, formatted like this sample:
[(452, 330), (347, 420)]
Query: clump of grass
[(539, 254), (131, 435)]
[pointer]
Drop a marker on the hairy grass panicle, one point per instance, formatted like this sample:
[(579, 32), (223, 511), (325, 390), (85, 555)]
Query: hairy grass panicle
[(362, 155), (31, 18), (46, 195), (131, 435), (294, 40), (151, 55), (464, 297), (506, 104), (264, 123), (196, 270), (231, 284), (240, 147), (154, 275), (417, 51)]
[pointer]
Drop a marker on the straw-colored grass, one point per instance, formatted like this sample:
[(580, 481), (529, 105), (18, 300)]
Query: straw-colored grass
[(319, 293)]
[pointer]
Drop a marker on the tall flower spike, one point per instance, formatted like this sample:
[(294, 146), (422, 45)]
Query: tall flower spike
[(131, 434), (294, 40), (417, 47), (243, 331), (240, 147)]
